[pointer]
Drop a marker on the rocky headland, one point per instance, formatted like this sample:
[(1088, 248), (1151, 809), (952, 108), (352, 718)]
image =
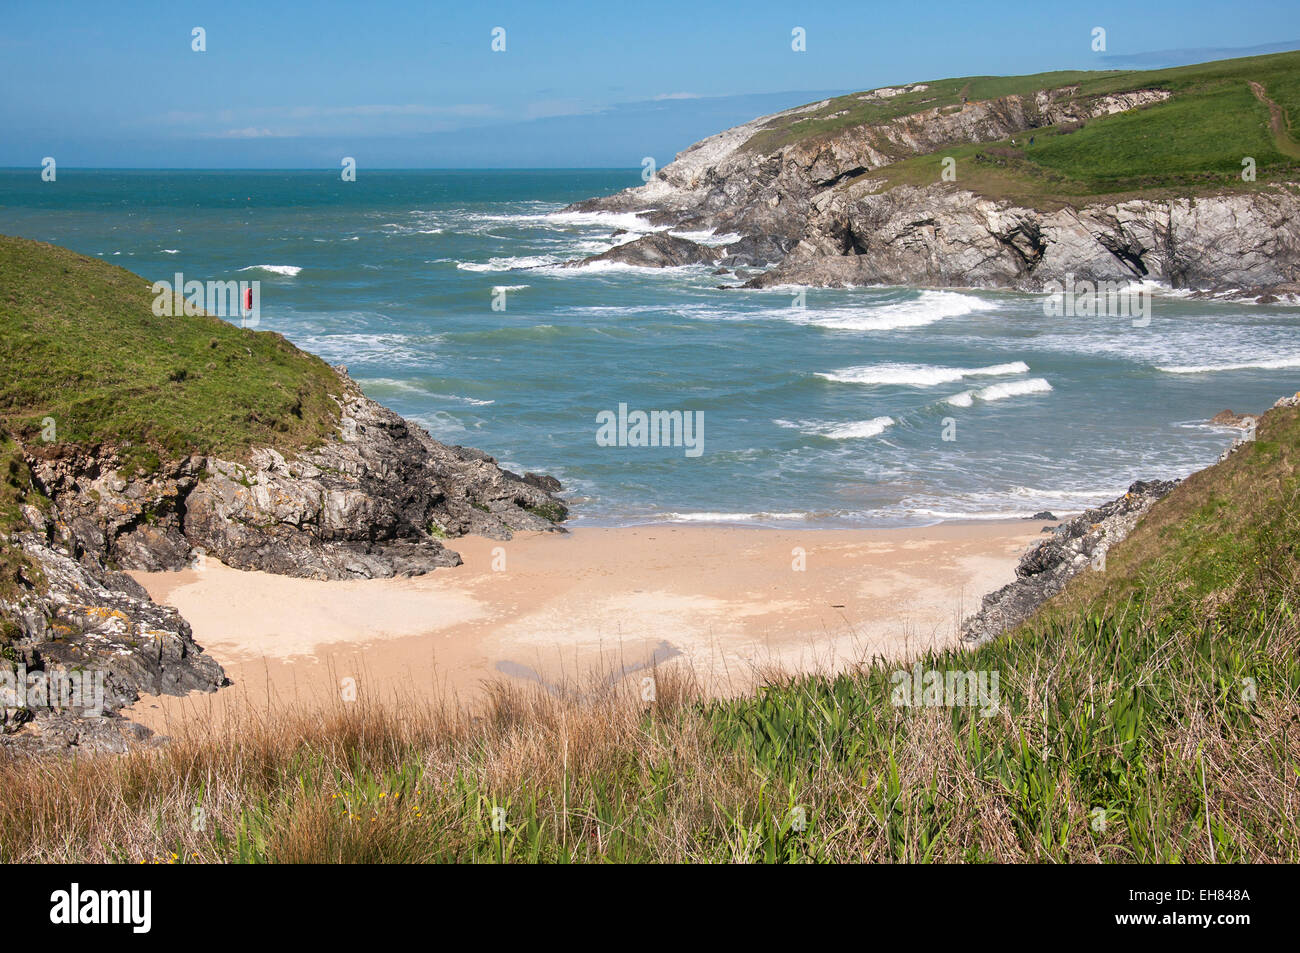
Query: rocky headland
[(817, 199)]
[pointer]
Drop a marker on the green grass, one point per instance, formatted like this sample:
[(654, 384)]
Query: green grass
[(1194, 142), (80, 344)]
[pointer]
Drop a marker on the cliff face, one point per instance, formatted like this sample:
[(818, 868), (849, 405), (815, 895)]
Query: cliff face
[(938, 237), (812, 211), (374, 500)]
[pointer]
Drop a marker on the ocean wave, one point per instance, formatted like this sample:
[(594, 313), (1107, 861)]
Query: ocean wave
[(511, 263), (1093, 496), (629, 221), (920, 375), (1275, 364), (556, 218), (855, 430), (289, 271), (1035, 385), (557, 271), (709, 517), (1018, 503), (384, 349), (928, 308), (171, 251), (967, 514), (410, 386), (707, 236)]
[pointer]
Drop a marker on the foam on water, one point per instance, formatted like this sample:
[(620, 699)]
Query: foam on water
[(1271, 364), (853, 430), (288, 271), (920, 375), (1035, 385), (712, 517), (927, 308), (511, 263)]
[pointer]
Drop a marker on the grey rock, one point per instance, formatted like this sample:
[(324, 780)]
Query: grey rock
[(941, 237), (1226, 418), (656, 250), (76, 616), (375, 500), (1049, 564)]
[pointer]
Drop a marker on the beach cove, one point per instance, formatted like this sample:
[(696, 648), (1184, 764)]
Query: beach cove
[(731, 603)]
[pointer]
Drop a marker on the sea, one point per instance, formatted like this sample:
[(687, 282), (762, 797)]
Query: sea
[(444, 294)]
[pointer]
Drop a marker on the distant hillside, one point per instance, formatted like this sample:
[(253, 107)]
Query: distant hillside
[(1215, 114), (1187, 176)]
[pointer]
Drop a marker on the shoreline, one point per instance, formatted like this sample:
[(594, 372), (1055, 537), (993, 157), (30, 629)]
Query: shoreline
[(819, 526), (728, 602)]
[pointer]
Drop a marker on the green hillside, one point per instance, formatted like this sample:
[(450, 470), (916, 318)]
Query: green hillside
[(80, 347), (1218, 113), (80, 344)]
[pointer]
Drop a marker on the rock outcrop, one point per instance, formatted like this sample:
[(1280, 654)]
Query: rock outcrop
[(657, 250), (1075, 545), (940, 237), (811, 205), (1226, 418), (375, 500), (79, 622)]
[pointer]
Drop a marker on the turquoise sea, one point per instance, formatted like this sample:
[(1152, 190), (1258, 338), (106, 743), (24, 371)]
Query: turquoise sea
[(833, 413)]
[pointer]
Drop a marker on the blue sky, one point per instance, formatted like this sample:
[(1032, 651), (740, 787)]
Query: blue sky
[(416, 84)]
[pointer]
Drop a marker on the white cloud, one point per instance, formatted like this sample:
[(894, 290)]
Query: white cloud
[(248, 132)]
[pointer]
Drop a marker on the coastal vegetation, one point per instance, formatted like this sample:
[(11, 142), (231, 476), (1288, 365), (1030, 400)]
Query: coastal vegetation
[(81, 348), (1216, 115)]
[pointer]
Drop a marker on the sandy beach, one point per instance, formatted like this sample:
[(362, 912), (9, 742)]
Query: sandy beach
[(604, 603)]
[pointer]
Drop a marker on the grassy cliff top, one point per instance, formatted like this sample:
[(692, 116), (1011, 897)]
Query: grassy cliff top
[(79, 343), (1217, 114)]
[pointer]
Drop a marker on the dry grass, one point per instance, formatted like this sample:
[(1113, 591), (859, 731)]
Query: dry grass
[(606, 777)]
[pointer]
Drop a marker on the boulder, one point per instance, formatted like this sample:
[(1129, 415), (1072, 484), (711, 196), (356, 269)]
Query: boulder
[(657, 250)]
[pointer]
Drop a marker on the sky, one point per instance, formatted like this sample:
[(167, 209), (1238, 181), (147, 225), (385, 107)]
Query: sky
[(416, 83)]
